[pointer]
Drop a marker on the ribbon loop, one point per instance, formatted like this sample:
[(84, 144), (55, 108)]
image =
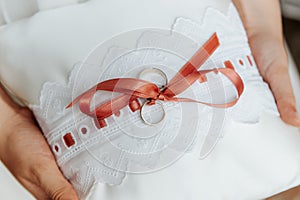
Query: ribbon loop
[(133, 89)]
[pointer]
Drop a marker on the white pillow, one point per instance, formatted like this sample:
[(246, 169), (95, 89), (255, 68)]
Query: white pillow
[(251, 162), (14, 10), (48, 4)]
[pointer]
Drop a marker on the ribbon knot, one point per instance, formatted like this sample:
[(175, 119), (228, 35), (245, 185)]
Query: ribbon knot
[(133, 89), (160, 97)]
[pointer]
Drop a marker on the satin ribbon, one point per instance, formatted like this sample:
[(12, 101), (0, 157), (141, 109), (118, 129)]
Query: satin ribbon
[(132, 89)]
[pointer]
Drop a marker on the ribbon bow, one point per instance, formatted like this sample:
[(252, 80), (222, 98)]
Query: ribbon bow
[(132, 89)]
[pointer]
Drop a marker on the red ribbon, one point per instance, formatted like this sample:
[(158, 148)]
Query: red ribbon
[(132, 89)]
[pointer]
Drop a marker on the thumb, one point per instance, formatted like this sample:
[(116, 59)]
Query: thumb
[(270, 55), (53, 183), (279, 79)]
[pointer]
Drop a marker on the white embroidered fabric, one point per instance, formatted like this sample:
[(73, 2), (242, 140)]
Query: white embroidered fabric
[(88, 155)]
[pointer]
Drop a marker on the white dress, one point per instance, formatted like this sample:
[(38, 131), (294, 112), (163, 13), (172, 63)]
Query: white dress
[(45, 62)]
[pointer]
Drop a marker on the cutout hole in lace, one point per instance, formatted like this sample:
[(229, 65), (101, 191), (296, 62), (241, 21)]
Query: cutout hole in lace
[(250, 61), (241, 62), (84, 130), (69, 140), (56, 149)]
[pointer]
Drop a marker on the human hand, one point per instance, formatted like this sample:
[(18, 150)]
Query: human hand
[(26, 154), (271, 58), (262, 20)]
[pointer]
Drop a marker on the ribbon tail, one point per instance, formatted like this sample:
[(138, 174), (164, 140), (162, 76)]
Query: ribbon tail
[(198, 59)]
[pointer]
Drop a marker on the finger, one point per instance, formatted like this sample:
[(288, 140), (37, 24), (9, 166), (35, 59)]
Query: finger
[(292, 194), (27, 181), (279, 79), (35, 190), (53, 183)]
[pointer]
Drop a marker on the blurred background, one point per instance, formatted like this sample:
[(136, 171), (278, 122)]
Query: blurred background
[(291, 26), (292, 34)]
